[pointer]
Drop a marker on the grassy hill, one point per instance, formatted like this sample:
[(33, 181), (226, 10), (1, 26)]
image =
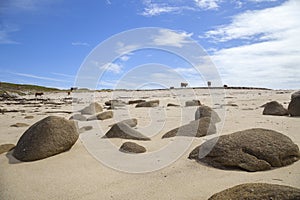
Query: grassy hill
[(22, 88)]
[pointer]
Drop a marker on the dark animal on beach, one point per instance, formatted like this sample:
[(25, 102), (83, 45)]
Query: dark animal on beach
[(183, 84), (39, 94), (69, 93), (208, 83)]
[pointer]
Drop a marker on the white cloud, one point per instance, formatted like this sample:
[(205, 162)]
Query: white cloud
[(125, 58), (4, 34), (271, 57), (112, 67), (156, 9), (80, 44), (123, 48), (207, 4), (171, 38)]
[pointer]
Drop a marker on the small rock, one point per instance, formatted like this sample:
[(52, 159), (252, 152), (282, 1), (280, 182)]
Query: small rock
[(205, 111), (85, 128), (274, 108), (153, 103), (102, 116), (29, 117), (172, 104), (131, 147), (78, 117), (192, 103), (294, 107), (130, 122), (122, 130), (136, 101), (197, 128), (19, 125), (92, 109)]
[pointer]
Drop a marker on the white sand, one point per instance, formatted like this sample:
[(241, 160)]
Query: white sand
[(76, 174)]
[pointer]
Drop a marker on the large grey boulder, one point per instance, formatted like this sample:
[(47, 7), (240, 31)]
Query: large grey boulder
[(295, 95), (197, 128), (274, 108), (92, 109), (205, 111), (122, 130), (49, 136), (102, 116), (294, 107), (131, 147), (153, 103), (251, 150), (192, 103), (258, 191)]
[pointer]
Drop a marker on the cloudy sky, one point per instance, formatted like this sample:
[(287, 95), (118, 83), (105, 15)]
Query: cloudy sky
[(249, 42)]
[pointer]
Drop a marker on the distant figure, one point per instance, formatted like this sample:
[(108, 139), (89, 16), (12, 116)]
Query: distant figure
[(69, 93), (225, 86), (208, 83), (171, 87), (73, 88), (39, 94), (184, 84)]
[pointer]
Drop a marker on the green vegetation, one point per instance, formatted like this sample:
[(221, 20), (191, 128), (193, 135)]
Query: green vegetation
[(21, 88)]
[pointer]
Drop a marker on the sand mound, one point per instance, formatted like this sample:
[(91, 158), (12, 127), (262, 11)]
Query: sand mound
[(251, 150), (50, 136)]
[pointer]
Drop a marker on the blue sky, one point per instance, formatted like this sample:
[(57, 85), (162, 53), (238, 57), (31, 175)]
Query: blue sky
[(250, 42)]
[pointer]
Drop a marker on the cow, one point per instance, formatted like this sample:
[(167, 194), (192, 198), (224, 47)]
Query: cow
[(39, 94), (183, 84)]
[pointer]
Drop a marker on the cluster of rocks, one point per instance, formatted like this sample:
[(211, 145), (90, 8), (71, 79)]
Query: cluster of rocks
[(275, 108)]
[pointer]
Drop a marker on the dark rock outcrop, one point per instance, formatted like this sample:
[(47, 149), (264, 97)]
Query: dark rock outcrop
[(294, 107), (274, 108), (122, 130), (197, 128), (49, 136), (205, 111), (251, 150), (259, 191), (131, 147)]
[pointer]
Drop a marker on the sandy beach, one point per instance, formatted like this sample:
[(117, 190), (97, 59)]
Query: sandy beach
[(78, 174)]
